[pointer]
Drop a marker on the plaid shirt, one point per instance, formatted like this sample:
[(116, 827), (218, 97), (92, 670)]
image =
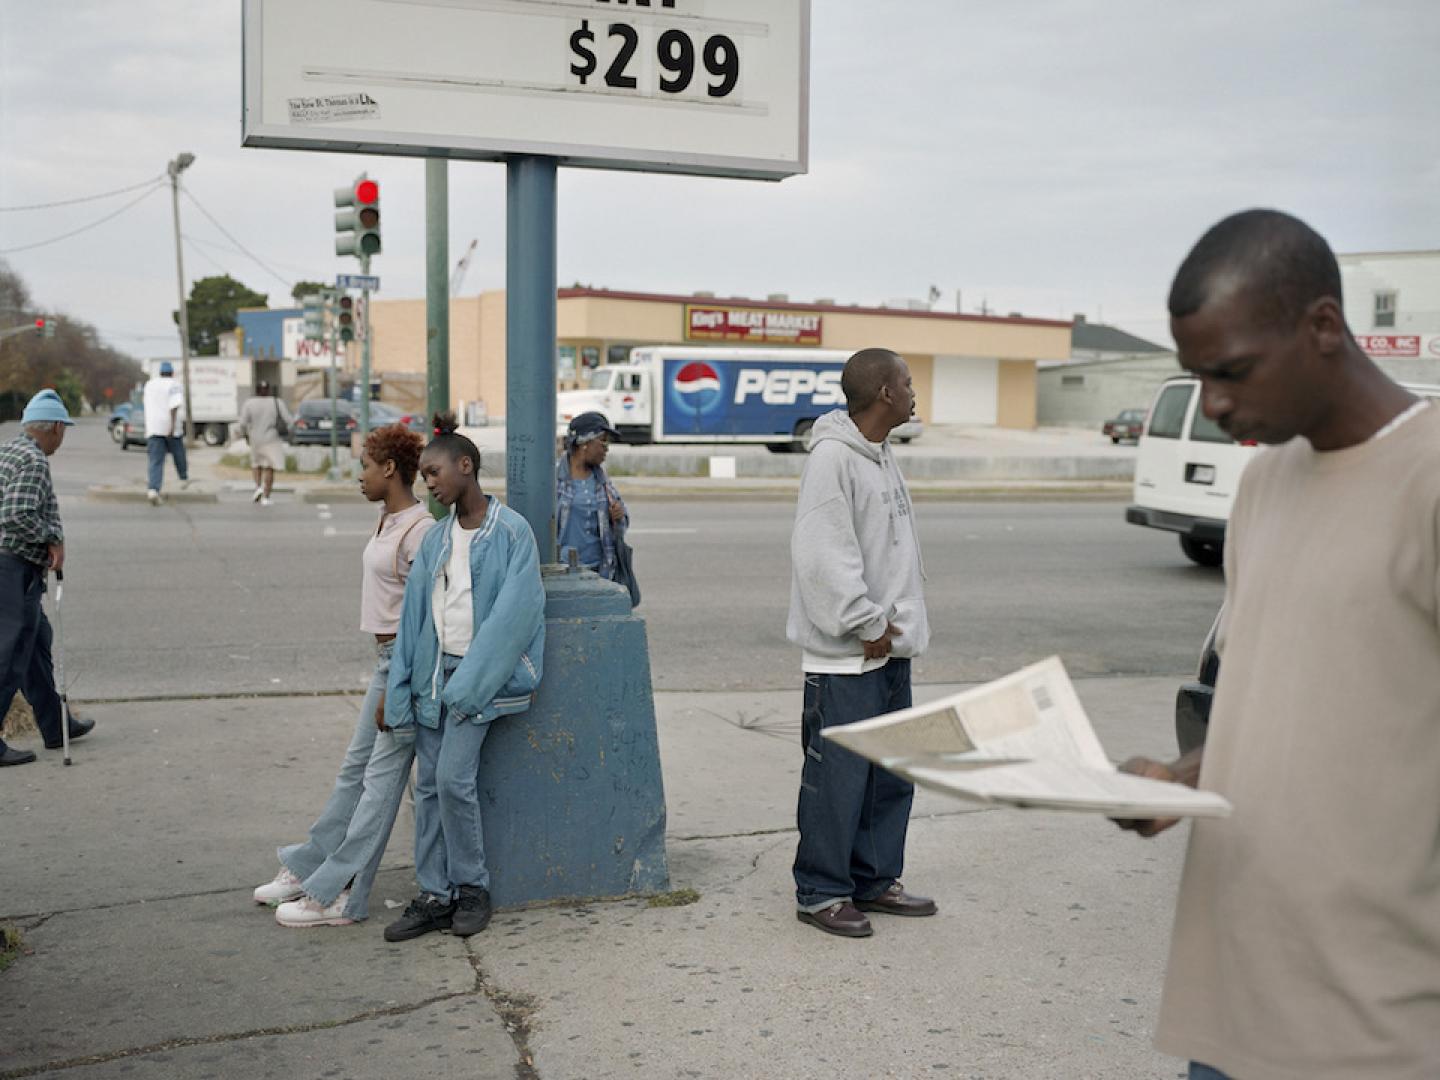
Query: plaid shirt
[(29, 514)]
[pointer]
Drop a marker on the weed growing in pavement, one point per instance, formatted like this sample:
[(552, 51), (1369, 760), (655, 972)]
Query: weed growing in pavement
[(12, 944), (677, 898)]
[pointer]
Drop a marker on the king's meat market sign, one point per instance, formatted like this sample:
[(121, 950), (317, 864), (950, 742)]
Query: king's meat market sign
[(751, 326)]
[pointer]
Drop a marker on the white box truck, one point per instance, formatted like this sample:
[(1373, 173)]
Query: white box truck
[(700, 394)]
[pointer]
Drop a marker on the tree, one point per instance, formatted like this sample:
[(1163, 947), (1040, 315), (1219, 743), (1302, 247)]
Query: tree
[(303, 289), (74, 361), (211, 309)]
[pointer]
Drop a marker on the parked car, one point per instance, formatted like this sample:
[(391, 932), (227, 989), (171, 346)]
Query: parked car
[(116, 424), (383, 414), (312, 422), (1193, 700), (1127, 425)]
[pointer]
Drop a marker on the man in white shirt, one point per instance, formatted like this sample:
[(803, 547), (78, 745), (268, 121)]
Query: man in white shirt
[(164, 429)]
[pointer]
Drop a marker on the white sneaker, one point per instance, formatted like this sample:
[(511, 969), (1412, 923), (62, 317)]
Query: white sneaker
[(307, 912), (286, 886), (259, 494), (153, 496), (265, 501)]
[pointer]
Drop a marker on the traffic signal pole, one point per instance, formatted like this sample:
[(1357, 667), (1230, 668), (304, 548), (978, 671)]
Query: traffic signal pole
[(365, 354), (331, 303)]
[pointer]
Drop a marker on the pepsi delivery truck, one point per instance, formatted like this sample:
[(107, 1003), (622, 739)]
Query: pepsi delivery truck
[(705, 394)]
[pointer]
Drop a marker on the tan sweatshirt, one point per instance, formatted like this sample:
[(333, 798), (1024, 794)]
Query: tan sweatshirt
[(1307, 935)]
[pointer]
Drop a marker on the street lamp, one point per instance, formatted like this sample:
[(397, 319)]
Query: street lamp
[(174, 169)]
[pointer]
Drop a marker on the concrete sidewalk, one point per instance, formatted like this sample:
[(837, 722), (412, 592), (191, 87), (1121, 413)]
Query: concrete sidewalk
[(130, 873)]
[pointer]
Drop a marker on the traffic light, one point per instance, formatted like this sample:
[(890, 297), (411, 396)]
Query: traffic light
[(357, 223), (44, 328), (346, 318), (314, 305)]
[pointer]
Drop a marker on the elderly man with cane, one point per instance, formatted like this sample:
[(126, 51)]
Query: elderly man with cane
[(31, 544)]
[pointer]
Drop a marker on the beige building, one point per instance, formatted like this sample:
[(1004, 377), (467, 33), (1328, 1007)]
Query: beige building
[(968, 369)]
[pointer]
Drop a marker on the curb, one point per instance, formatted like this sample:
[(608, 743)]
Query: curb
[(109, 493)]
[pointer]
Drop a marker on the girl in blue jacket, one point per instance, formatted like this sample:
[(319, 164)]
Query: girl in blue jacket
[(472, 631)]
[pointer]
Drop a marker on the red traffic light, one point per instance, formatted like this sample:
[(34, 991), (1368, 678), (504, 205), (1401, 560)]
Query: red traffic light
[(40, 325), (367, 193)]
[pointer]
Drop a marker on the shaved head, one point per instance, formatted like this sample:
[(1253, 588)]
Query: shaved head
[(1276, 261), (865, 374)]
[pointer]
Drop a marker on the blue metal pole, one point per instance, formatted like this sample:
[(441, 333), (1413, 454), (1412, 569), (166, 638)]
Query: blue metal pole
[(530, 345)]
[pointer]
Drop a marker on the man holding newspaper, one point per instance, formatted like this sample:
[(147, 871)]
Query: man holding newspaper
[(1307, 936), (857, 609)]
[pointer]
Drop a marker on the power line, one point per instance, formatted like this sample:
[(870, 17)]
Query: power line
[(83, 198), (302, 270), (155, 186), (241, 247)]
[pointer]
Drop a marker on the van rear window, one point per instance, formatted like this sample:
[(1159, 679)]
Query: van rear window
[(1205, 430), (1168, 416)]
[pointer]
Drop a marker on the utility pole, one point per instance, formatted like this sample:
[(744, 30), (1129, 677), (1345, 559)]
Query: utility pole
[(365, 354), (174, 169)]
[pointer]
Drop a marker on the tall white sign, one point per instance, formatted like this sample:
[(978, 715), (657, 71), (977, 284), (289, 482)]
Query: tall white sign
[(713, 87)]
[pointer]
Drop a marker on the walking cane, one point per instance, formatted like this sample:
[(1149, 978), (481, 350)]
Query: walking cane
[(60, 665)]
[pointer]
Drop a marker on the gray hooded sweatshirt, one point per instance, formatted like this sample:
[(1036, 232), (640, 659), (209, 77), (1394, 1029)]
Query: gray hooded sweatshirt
[(855, 553)]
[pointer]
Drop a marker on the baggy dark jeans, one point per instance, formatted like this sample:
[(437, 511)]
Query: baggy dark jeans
[(156, 447), (26, 665), (853, 816)]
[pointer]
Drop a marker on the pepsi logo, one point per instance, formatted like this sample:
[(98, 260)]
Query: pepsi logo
[(697, 388)]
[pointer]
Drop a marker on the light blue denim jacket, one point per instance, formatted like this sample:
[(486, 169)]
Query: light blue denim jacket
[(501, 669)]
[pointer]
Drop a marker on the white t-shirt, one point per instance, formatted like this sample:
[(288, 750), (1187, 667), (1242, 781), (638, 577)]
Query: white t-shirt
[(451, 605), (162, 394)]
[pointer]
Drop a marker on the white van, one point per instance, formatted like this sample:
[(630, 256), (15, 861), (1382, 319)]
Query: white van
[(1187, 470)]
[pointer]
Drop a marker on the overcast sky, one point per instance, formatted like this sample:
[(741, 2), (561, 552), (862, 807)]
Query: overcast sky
[(1040, 156)]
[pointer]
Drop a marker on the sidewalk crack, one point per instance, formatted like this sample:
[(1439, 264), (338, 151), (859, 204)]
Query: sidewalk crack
[(516, 1012), (234, 1036)]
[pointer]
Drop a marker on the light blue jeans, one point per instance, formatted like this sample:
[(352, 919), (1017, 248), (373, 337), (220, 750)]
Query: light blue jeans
[(348, 839), (449, 839)]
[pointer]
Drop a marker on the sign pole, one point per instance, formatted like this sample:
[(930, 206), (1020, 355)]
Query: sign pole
[(437, 286), (530, 345)]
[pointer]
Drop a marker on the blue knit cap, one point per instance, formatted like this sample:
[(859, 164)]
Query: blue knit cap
[(46, 408)]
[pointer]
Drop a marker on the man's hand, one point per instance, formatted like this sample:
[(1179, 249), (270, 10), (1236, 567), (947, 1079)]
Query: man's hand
[(880, 647), (380, 714), (1184, 770), (616, 511), (57, 556)]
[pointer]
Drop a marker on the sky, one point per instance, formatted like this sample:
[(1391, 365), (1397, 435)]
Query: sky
[(1046, 157)]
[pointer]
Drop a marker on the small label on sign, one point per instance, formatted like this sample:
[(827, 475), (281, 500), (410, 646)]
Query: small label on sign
[(331, 107)]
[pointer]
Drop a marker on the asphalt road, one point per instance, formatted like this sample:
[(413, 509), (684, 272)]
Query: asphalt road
[(230, 598)]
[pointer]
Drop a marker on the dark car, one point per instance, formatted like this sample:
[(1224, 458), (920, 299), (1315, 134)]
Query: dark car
[(1129, 424), (311, 425), (1192, 703)]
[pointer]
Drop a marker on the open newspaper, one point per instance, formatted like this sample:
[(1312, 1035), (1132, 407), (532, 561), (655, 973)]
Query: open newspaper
[(1023, 740)]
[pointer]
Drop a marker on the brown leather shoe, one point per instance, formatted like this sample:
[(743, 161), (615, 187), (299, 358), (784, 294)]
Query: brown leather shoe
[(896, 901), (840, 918)]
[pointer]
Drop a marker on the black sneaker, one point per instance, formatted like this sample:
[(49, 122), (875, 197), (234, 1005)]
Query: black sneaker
[(472, 911), (424, 914)]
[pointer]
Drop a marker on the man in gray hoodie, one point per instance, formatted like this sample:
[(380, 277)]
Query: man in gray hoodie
[(857, 609)]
